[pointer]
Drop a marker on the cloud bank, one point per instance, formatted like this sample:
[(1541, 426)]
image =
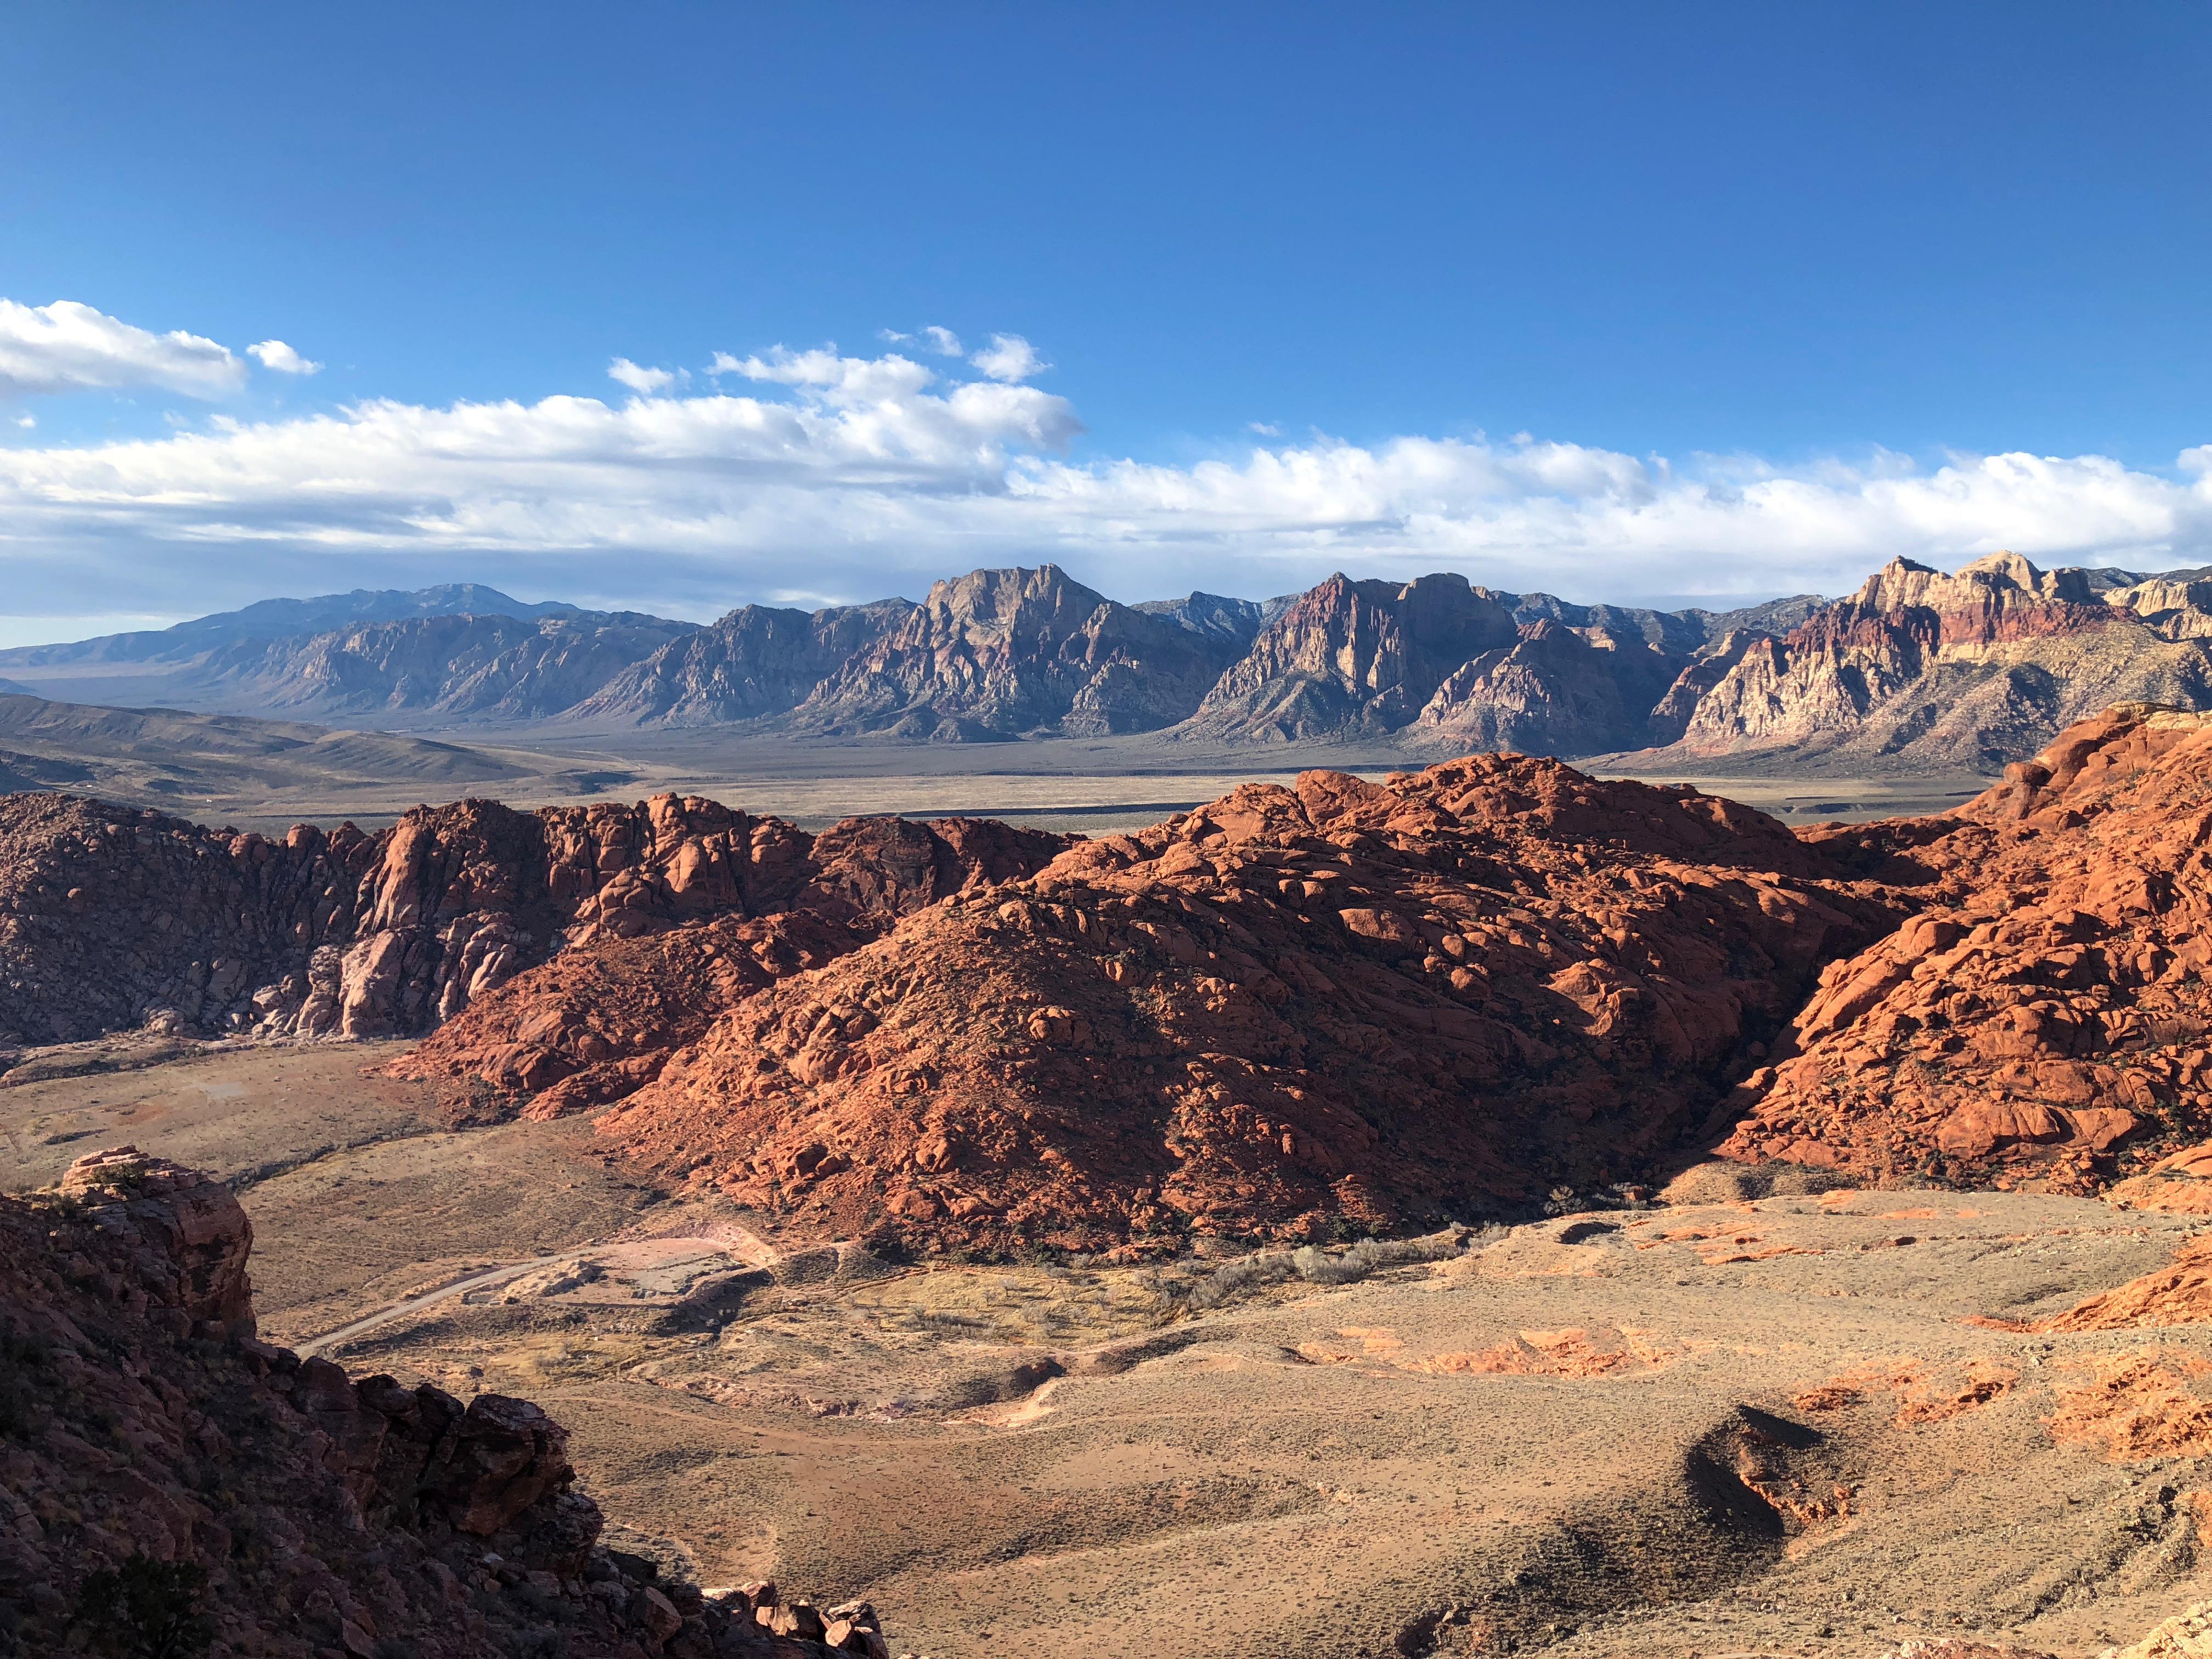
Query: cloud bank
[(813, 477)]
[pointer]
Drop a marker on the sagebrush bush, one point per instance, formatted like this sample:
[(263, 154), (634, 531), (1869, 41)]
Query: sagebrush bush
[(1318, 1266)]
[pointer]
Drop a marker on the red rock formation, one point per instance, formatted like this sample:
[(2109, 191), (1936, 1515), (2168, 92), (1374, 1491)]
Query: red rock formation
[(2046, 1017), (292, 1510), (110, 918), (594, 1024), (1286, 1012)]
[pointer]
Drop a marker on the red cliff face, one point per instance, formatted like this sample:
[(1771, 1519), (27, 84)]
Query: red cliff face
[(351, 1514), (2046, 1016), (1285, 1012), (111, 918)]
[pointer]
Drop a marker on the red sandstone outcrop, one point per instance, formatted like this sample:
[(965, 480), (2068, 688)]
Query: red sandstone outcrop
[(2047, 1015), (111, 918), (594, 1024), (1344, 1005), (289, 1509)]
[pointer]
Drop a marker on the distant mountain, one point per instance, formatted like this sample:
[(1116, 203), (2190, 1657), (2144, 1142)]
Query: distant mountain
[(1917, 669), (270, 619), (1354, 659), (1007, 654), (1977, 669), (470, 666), (755, 663)]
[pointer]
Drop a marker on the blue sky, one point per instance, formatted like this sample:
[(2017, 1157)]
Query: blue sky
[(1773, 291)]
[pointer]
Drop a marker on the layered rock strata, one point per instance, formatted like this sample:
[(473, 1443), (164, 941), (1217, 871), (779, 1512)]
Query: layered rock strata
[(165, 1478)]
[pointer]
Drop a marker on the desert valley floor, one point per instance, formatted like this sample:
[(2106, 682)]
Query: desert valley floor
[(1808, 1422)]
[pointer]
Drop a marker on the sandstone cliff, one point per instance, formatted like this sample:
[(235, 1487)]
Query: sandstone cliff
[(170, 1484), (1288, 1012), (2046, 1016), (111, 918)]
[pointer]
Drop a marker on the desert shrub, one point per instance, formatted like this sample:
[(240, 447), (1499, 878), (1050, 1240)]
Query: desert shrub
[(1373, 1255), (1319, 1267), (147, 1609), (1246, 1272)]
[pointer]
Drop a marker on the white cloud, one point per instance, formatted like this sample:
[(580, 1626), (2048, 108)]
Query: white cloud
[(853, 477), (276, 356), (646, 382), (27, 422), (1264, 428), (942, 341), (1008, 357), (68, 347)]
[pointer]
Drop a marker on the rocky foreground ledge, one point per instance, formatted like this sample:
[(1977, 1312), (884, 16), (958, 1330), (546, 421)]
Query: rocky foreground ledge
[(170, 1484)]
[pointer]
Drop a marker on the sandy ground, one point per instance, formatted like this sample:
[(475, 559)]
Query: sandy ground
[(1722, 1428)]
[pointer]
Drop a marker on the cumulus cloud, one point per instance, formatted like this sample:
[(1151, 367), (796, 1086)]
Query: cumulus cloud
[(1008, 357), (831, 477), (646, 382), (276, 354), (69, 347), (27, 422)]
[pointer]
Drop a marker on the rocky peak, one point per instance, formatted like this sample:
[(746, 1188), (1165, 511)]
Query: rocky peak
[(1582, 690), (1352, 656), (756, 662), (1003, 654), (1231, 623), (1974, 605)]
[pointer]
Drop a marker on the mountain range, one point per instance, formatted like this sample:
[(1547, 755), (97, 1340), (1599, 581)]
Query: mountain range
[(1917, 669)]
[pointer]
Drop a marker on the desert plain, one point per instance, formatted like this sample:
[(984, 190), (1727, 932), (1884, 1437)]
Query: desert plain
[(1752, 1417)]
